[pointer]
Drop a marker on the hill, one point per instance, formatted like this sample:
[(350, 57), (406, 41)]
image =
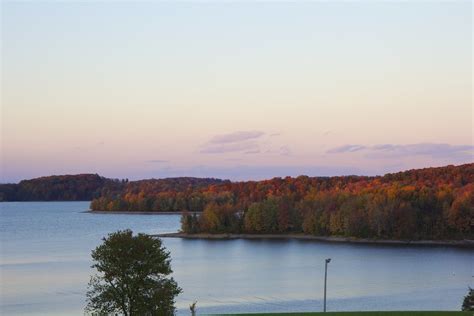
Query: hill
[(86, 187), (429, 203), (81, 187)]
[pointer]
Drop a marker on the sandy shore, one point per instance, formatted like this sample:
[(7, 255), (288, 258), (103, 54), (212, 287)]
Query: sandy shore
[(452, 243)]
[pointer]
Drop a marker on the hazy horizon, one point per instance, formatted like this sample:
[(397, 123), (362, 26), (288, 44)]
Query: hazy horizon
[(234, 90), (234, 180)]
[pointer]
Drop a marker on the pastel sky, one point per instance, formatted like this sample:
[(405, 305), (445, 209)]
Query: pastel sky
[(239, 90)]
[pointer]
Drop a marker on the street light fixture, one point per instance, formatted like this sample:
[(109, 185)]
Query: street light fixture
[(325, 280)]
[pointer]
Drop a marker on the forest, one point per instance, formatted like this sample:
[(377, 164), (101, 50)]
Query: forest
[(87, 187), (81, 187), (156, 195), (430, 203)]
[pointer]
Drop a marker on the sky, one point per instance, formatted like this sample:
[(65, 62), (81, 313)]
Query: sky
[(237, 90)]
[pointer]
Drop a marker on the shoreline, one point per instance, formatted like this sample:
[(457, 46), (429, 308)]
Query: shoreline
[(450, 243), (135, 212)]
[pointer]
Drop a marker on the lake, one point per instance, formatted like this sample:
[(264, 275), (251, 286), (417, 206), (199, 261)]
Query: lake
[(45, 267)]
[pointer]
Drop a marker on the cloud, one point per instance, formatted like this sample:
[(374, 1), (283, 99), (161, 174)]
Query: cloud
[(254, 151), (383, 147), (235, 137), (434, 150), (345, 149), (157, 161), (233, 159), (244, 146), (282, 151), (422, 149), (245, 142), (285, 151)]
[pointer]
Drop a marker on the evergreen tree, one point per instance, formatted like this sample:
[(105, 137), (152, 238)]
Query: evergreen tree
[(468, 303)]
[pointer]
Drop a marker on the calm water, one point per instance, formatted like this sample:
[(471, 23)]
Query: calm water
[(45, 267)]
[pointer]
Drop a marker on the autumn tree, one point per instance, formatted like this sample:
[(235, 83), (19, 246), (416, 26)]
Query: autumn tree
[(262, 217), (430, 203)]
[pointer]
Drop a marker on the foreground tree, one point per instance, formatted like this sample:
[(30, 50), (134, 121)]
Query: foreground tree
[(132, 277), (468, 303)]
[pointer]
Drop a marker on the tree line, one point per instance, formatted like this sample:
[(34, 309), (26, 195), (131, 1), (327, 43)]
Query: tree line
[(157, 195), (430, 203), (433, 203), (101, 190), (81, 187)]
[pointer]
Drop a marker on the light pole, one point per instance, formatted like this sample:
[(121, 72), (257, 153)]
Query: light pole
[(325, 280)]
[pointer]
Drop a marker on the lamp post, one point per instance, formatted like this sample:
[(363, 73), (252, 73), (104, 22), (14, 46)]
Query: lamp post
[(325, 280)]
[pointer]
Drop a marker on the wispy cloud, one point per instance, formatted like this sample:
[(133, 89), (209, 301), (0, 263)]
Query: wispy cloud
[(281, 151), (421, 149), (254, 151), (235, 137), (245, 142), (240, 141), (345, 149), (244, 146), (285, 151), (435, 150)]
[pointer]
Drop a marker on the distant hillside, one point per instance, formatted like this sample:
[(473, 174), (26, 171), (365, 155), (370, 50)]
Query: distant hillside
[(166, 195), (81, 187), (430, 203), (180, 184), (86, 187)]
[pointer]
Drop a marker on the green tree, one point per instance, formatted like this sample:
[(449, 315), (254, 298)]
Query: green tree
[(132, 277), (468, 303), (262, 217), (189, 223)]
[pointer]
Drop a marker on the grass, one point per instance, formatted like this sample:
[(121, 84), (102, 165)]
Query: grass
[(414, 313)]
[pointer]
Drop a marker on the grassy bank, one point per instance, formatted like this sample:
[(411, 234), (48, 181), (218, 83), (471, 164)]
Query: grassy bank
[(414, 313)]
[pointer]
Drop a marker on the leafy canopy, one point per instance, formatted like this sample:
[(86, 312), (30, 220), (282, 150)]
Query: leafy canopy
[(132, 277), (468, 303)]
